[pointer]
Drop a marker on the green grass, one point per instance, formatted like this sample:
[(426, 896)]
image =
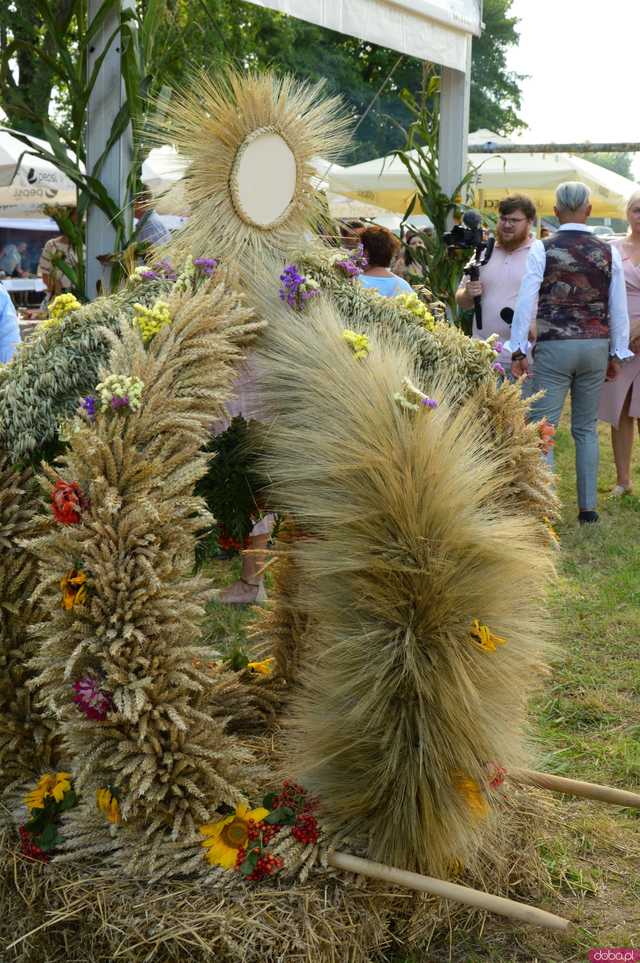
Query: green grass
[(585, 724)]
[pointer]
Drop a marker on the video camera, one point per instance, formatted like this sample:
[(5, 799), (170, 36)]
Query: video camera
[(469, 235), (466, 235)]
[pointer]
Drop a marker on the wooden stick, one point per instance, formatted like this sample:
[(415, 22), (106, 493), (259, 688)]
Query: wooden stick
[(574, 787), (453, 891)]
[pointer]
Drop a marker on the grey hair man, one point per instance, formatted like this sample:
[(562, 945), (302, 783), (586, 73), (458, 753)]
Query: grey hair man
[(582, 329)]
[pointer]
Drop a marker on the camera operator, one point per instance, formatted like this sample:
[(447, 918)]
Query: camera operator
[(500, 278)]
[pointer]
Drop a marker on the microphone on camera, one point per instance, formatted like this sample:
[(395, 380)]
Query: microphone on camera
[(507, 315)]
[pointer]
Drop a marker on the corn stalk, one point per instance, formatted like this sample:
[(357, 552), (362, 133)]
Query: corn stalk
[(146, 50)]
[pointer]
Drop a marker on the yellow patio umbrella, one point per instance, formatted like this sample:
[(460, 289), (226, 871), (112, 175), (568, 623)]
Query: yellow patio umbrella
[(387, 183)]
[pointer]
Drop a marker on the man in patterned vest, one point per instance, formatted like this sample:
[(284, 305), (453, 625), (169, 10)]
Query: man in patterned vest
[(582, 329)]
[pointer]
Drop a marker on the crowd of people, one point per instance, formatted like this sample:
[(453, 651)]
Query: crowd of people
[(566, 309)]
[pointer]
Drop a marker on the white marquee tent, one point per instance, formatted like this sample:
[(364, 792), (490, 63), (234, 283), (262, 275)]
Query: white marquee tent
[(27, 182), (386, 182)]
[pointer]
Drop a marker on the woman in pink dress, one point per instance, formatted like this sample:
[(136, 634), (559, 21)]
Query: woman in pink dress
[(620, 399)]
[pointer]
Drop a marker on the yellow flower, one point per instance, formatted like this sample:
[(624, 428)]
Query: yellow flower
[(151, 320), (107, 802), (359, 343), (74, 589), (226, 836), (484, 639), (412, 303), (473, 796), (54, 784), (262, 668), (61, 306), (551, 530)]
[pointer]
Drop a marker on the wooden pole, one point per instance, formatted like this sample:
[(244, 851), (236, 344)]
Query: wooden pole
[(452, 891), (491, 147), (575, 787)]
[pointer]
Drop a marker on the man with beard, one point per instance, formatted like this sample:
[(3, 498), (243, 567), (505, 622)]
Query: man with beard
[(500, 279)]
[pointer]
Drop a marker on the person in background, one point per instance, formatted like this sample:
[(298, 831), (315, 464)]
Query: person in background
[(582, 329), (500, 278), (57, 250), (380, 247), (11, 260), (620, 399), (544, 232), (9, 327), (150, 229)]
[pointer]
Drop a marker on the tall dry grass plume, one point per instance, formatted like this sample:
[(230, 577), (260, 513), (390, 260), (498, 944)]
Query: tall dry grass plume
[(161, 748), (402, 714)]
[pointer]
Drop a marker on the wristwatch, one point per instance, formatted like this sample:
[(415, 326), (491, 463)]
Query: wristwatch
[(518, 355)]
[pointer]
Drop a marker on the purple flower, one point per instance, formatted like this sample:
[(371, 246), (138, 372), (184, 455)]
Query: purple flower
[(119, 401), (293, 290), (149, 275), (349, 267), (88, 405), (93, 701), (498, 347), (206, 264), (430, 403), (498, 367)]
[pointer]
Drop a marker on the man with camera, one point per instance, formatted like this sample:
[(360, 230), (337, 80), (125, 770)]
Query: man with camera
[(500, 276)]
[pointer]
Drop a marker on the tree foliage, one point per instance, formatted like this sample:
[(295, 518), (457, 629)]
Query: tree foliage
[(495, 91), (615, 161), (191, 34)]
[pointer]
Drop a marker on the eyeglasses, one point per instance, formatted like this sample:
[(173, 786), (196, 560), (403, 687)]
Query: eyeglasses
[(512, 220)]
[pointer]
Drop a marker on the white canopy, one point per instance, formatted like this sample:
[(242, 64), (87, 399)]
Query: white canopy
[(386, 182), (27, 182), (436, 30)]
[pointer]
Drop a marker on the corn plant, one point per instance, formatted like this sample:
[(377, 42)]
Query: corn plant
[(147, 50)]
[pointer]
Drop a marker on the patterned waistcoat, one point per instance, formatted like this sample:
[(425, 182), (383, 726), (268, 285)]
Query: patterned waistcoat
[(574, 294)]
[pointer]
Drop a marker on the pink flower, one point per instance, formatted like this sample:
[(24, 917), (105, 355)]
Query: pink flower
[(91, 699)]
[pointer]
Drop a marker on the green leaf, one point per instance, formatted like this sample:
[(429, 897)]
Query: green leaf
[(70, 798), (281, 817), (269, 800), (250, 863)]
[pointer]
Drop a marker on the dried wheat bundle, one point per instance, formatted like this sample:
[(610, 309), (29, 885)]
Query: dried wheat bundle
[(418, 667), (51, 371), (214, 123), (27, 738), (131, 639)]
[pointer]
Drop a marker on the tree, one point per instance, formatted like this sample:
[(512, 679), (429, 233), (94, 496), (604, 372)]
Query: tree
[(613, 161), (360, 72), (495, 91)]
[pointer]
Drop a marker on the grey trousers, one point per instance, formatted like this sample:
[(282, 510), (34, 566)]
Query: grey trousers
[(578, 367)]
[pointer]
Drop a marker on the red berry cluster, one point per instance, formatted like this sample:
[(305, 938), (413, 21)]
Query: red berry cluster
[(29, 848), (306, 829), (266, 864), (294, 796)]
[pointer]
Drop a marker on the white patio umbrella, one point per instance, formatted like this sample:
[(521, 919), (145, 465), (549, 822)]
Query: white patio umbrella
[(386, 182), (27, 182)]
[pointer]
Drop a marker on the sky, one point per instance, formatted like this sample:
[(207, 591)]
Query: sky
[(583, 62)]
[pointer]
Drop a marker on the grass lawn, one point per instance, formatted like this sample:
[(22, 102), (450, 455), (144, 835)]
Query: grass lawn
[(585, 724)]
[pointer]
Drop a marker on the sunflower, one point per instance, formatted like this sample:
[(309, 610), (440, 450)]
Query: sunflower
[(51, 785), (261, 668), (226, 836), (250, 138), (74, 589), (107, 803)]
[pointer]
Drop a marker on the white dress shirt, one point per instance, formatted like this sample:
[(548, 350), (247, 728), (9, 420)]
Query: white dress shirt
[(533, 275)]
